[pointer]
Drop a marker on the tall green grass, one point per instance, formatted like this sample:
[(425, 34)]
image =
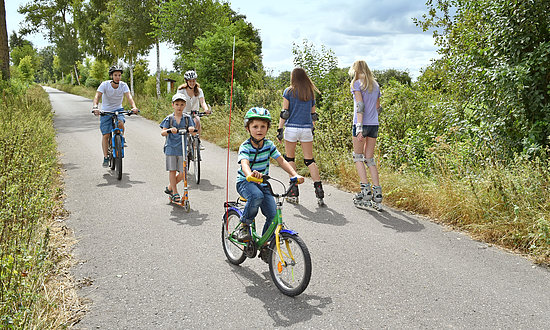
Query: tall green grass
[(29, 201)]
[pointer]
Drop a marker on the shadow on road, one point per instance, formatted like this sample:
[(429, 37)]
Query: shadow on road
[(193, 218), (400, 225), (124, 182), (284, 311), (323, 215), (204, 185)]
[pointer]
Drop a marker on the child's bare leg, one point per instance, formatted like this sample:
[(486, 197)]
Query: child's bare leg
[(173, 182)]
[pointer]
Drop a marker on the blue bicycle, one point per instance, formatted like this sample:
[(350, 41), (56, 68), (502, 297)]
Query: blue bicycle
[(115, 149)]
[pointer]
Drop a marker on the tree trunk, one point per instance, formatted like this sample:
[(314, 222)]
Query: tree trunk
[(158, 69), (76, 74), (4, 48)]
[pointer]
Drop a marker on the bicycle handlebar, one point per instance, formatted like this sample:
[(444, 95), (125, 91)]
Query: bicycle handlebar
[(125, 112), (265, 179)]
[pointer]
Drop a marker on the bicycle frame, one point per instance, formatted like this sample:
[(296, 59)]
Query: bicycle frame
[(274, 229)]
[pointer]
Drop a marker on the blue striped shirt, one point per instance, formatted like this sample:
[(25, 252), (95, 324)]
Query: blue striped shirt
[(261, 156)]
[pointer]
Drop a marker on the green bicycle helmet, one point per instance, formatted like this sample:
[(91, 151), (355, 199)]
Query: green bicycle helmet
[(257, 113)]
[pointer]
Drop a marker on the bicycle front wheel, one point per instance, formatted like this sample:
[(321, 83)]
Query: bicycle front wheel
[(292, 278), (196, 160), (110, 151), (233, 250), (118, 158)]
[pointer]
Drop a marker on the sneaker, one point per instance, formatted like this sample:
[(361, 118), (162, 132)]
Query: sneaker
[(105, 162), (244, 234), (201, 147)]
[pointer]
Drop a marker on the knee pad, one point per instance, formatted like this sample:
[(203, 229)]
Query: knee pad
[(309, 161), (370, 162), (358, 157), (288, 159)]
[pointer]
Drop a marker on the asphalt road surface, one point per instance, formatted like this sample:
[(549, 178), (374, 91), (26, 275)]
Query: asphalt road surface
[(146, 264)]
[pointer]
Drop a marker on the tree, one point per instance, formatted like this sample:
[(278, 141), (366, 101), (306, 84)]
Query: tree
[(4, 49), (321, 66), (212, 59), (45, 68), (53, 17), (89, 17), (129, 30), (496, 60), (26, 68)]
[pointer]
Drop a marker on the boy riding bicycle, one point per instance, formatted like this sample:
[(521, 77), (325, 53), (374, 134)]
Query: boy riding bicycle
[(111, 92), (254, 155), (173, 147)]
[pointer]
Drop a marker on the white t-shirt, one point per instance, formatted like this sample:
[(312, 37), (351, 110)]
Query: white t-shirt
[(112, 98), (193, 102)]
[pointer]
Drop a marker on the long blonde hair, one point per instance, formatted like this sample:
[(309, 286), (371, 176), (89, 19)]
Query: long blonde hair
[(301, 84), (360, 71)]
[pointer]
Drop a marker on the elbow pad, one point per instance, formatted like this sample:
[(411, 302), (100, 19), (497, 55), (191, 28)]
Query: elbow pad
[(360, 107), (285, 114), (314, 116)]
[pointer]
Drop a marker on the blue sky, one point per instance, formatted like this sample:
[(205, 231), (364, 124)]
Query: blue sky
[(379, 32)]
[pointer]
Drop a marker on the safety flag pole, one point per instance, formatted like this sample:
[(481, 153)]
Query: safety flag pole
[(229, 130)]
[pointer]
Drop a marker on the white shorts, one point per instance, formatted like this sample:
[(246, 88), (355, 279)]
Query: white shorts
[(294, 134)]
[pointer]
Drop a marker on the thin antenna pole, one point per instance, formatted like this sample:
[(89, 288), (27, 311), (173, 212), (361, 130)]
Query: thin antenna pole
[(229, 130)]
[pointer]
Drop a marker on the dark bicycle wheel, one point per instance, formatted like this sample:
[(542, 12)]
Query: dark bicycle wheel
[(196, 160), (110, 151), (189, 153), (118, 153), (292, 278), (233, 251)]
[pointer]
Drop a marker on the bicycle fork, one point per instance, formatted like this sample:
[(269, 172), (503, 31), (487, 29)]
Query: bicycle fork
[(282, 262)]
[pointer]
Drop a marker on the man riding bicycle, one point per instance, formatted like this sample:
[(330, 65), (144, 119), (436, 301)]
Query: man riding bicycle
[(111, 92)]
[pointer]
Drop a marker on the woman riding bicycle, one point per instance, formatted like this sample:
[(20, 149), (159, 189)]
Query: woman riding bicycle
[(195, 95), (111, 92)]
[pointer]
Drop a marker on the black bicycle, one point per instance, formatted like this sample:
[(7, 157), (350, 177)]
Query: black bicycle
[(115, 149), (194, 151)]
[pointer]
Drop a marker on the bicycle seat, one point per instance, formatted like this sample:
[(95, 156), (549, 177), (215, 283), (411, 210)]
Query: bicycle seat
[(242, 199)]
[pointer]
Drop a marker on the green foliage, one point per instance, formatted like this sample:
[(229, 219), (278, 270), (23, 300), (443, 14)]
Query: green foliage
[(100, 70), (496, 59), (321, 66), (212, 59), (200, 17), (17, 53), (28, 166), (26, 68), (92, 82), (239, 96), (383, 77), (128, 28)]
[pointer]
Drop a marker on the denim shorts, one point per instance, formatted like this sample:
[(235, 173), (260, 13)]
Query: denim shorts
[(105, 123), (368, 131)]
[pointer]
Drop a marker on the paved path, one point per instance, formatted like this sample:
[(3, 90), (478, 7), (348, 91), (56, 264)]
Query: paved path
[(153, 266)]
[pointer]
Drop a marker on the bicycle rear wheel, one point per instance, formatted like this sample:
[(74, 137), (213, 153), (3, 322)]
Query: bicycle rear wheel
[(196, 160), (293, 278), (233, 251), (118, 158)]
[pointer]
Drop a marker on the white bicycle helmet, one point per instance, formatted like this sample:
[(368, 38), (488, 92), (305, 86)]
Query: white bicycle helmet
[(115, 68), (190, 75)]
